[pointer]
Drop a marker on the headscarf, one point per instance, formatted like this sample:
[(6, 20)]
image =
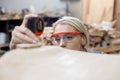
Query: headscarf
[(75, 23)]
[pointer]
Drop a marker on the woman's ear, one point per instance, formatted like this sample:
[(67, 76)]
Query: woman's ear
[(84, 40)]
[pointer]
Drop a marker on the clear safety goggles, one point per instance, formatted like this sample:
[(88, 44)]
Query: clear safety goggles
[(65, 36)]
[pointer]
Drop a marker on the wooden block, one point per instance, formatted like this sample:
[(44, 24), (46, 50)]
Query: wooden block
[(115, 34), (115, 42), (109, 49), (95, 32)]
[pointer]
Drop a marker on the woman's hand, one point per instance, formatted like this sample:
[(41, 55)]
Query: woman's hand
[(21, 34)]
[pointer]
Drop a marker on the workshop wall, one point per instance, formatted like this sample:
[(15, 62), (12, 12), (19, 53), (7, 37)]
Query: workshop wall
[(38, 4)]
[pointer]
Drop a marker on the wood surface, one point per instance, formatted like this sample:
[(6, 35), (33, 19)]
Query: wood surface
[(56, 63)]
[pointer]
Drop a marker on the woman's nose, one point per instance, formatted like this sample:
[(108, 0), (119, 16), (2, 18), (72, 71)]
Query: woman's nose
[(62, 43)]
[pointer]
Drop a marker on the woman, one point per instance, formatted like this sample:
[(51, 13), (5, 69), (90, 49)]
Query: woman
[(68, 32)]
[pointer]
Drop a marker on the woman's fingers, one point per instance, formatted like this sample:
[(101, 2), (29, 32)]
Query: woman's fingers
[(24, 34), (18, 41), (28, 33)]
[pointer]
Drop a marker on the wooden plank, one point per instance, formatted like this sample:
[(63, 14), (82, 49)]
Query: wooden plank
[(109, 49), (4, 45), (117, 14), (115, 41), (85, 9), (99, 11)]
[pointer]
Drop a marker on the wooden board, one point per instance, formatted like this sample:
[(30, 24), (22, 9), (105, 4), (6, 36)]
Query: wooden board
[(117, 14), (109, 49), (55, 63), (99, 10), (85, 9)]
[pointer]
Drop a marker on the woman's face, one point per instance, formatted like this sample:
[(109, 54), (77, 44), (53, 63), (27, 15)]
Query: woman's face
[(66, 40)]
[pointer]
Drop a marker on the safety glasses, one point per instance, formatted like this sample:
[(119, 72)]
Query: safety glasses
[(65, 36)]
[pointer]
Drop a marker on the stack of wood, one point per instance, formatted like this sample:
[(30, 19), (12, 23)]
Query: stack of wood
[(105, 41), (47, 40), (96, 11), (96, 37)]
